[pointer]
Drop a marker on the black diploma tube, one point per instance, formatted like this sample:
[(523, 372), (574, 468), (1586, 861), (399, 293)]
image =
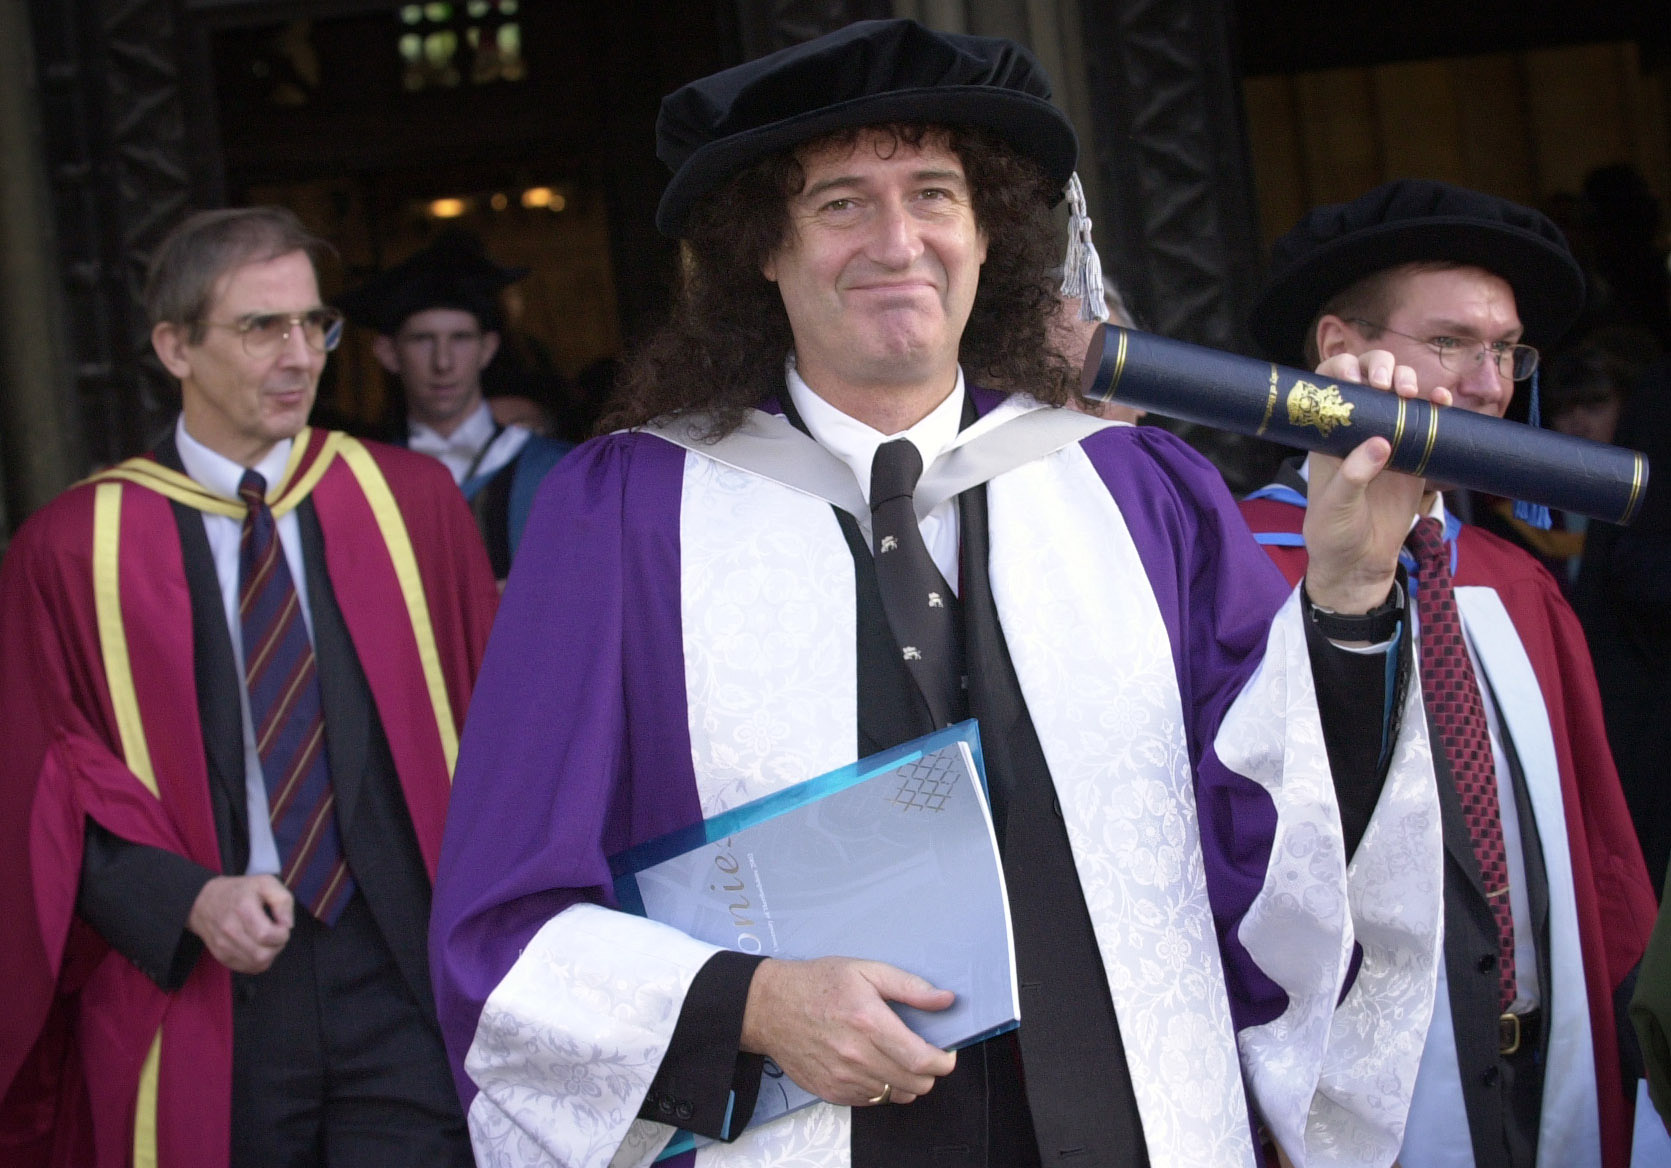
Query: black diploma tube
[(1296, 408)]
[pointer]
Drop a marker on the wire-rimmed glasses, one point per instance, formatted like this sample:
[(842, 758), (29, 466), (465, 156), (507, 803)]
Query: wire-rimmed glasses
[(265, 333), (1463, 354)]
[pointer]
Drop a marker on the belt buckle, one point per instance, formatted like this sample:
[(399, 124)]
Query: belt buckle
[(1508, 1033)]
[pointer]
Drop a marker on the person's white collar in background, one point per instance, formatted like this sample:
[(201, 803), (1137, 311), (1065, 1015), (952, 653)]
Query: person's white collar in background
[(855, 443), (1437, 511), (463, 451), (219, 473), (468, 435)]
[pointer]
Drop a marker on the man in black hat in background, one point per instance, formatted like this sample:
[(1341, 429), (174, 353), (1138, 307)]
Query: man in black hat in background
[(698, 619), (437, 321), (1547, 901)]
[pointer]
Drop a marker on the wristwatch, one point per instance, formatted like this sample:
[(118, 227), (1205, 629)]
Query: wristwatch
[(1377, 625)]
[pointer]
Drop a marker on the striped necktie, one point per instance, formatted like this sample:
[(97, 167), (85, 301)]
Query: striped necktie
[(1452, 693), (285, 707), (922, 609)]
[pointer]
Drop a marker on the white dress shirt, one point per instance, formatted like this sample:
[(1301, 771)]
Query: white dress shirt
[(476, 447), (222, 475), (855, 443)]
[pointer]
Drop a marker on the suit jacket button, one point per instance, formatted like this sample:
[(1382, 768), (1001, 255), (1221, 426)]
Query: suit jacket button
[(664, 1104), (1488, 963), (685, 1111), (1492, 1074)]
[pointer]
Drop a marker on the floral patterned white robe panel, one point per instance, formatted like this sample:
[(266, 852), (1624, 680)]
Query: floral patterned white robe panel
[(1365, 1066)]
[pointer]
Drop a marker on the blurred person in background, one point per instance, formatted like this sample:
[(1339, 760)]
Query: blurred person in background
[(437, 319), (1073, 337), (1624, 600)]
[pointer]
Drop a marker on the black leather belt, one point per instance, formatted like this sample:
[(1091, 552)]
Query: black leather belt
[(1517, 1032)]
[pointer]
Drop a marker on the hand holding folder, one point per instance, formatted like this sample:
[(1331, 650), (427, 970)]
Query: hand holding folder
[(826, 1023), (884, 872)]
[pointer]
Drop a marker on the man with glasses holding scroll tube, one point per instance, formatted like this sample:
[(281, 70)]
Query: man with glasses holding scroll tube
[(235, 669), (1547, 901)]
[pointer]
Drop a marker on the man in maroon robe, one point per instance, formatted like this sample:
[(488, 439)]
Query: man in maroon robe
[(179, 993), (1454, 282)]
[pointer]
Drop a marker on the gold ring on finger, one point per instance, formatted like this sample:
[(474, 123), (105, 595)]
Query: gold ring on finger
[(886, 1094)]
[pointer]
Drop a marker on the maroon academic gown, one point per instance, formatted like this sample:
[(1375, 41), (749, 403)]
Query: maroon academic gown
[(80, 1019), (1616, 902)]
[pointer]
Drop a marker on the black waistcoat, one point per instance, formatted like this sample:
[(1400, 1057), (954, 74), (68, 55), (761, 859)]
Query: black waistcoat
[(491, 507)]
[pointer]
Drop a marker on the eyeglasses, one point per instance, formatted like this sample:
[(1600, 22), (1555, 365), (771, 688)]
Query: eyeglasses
[(265, 333), (1462, 354)]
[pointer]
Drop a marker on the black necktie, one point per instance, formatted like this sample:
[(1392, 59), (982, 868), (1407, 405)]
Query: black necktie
[(921, 607)]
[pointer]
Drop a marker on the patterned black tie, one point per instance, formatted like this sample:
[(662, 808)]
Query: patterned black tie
[(922, 609)]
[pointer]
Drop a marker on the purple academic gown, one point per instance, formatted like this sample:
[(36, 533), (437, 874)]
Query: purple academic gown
[(577, 743)]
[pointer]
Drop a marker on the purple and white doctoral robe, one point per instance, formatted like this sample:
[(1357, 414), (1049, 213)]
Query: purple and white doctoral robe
[(678, 637)]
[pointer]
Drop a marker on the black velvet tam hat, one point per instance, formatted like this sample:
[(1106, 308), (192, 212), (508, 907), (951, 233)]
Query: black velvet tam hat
[(870, 73), (1410, 221), (452, 272)]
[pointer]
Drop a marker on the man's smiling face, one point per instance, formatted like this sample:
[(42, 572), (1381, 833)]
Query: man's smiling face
[(879, 273)]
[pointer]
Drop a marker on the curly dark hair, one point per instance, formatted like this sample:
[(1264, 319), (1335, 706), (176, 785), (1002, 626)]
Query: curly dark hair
[(723, 346)]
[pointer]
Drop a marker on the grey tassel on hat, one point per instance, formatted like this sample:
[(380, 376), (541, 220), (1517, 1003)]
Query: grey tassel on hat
[(1082, 269)]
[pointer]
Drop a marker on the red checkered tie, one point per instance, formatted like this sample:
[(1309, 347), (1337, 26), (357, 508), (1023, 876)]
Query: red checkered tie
[(1453, 700), (285, 706)]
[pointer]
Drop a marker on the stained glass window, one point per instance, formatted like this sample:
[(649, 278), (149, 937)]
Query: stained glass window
[(443, 46)]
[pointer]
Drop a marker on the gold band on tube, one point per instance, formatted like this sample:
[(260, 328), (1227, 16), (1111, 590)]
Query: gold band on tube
[(1432, 438), (1635, 491)]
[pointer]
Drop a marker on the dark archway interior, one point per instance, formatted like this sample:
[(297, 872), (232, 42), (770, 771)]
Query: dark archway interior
[(529, 124)]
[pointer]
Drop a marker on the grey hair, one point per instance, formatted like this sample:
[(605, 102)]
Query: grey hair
[(189, 263)]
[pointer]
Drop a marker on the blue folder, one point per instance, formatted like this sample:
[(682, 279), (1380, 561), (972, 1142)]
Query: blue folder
[(892, 858)]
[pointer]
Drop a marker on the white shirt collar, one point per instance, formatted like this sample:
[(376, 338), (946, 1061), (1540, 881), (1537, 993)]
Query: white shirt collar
[(1437, 511), (855, 443), (219, 473), (470, 435)]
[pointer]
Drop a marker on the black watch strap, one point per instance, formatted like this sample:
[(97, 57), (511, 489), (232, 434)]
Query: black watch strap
[(1377, 625)]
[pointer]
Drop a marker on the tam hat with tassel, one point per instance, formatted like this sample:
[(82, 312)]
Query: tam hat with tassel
[(870, 73)]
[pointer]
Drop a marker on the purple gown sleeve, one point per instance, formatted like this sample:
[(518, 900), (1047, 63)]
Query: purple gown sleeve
[(568, 755)]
